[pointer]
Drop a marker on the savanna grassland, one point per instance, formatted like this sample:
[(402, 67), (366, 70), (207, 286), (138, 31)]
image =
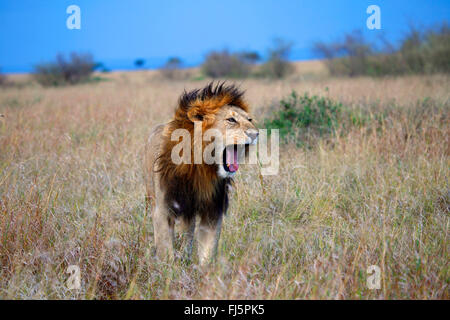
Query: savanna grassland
[(376, 192)]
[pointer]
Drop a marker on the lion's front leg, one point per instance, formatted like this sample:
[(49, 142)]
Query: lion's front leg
[(208, 238), (188, 229), (163, 229)]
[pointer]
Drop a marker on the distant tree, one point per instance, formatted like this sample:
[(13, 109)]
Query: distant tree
[(278, 65), (225, 64), (421, 51), (356, 47), (2, 78), (139, 63), (171, 69), (281, 49), (174, 62), (100, 66), (250, 57), (76, 69), (349, 56), (437, 49)]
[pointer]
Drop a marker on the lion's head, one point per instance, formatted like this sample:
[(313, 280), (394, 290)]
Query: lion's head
[(237, 128), (220, 108)]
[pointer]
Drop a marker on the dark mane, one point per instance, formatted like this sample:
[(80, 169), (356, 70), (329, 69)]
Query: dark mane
[(212, 91), (190, 204)]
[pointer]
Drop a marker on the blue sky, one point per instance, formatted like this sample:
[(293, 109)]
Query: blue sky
[(117, 32)]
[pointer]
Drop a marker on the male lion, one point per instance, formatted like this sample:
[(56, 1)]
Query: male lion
[(188, 190)]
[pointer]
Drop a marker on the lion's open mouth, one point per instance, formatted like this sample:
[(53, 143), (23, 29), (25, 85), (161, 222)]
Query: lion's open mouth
[(231, 157)]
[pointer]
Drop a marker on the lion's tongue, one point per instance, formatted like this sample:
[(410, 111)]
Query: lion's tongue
[(232, 162)]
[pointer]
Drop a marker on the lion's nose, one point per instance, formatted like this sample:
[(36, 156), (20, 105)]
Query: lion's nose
[(253, 134)]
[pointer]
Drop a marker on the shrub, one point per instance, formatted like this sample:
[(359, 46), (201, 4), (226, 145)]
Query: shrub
[(419, 52), (249, 57), (349, 57), (278, 65), (78, 68), (225, 64), (171, 68), (437, 49), (3, 79), (298, 116)]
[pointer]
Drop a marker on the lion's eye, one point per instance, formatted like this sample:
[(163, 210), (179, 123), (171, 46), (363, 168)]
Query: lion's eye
[(250, 119), (232, 120)]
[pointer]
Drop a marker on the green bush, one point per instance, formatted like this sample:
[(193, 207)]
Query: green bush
[(302, 116)]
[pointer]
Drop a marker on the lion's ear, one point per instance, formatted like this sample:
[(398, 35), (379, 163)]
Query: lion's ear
[(195, 115), (199, 117)]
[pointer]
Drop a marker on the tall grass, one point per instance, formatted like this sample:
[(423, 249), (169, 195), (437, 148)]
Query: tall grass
[(71, 192)]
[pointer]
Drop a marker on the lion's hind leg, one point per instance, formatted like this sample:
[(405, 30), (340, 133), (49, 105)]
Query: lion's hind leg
[(163, 229), (148, 203)]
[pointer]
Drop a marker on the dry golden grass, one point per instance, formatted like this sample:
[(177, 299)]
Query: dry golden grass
[(71, 192)]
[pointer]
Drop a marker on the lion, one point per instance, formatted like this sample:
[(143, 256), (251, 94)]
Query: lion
[(196, 191)]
